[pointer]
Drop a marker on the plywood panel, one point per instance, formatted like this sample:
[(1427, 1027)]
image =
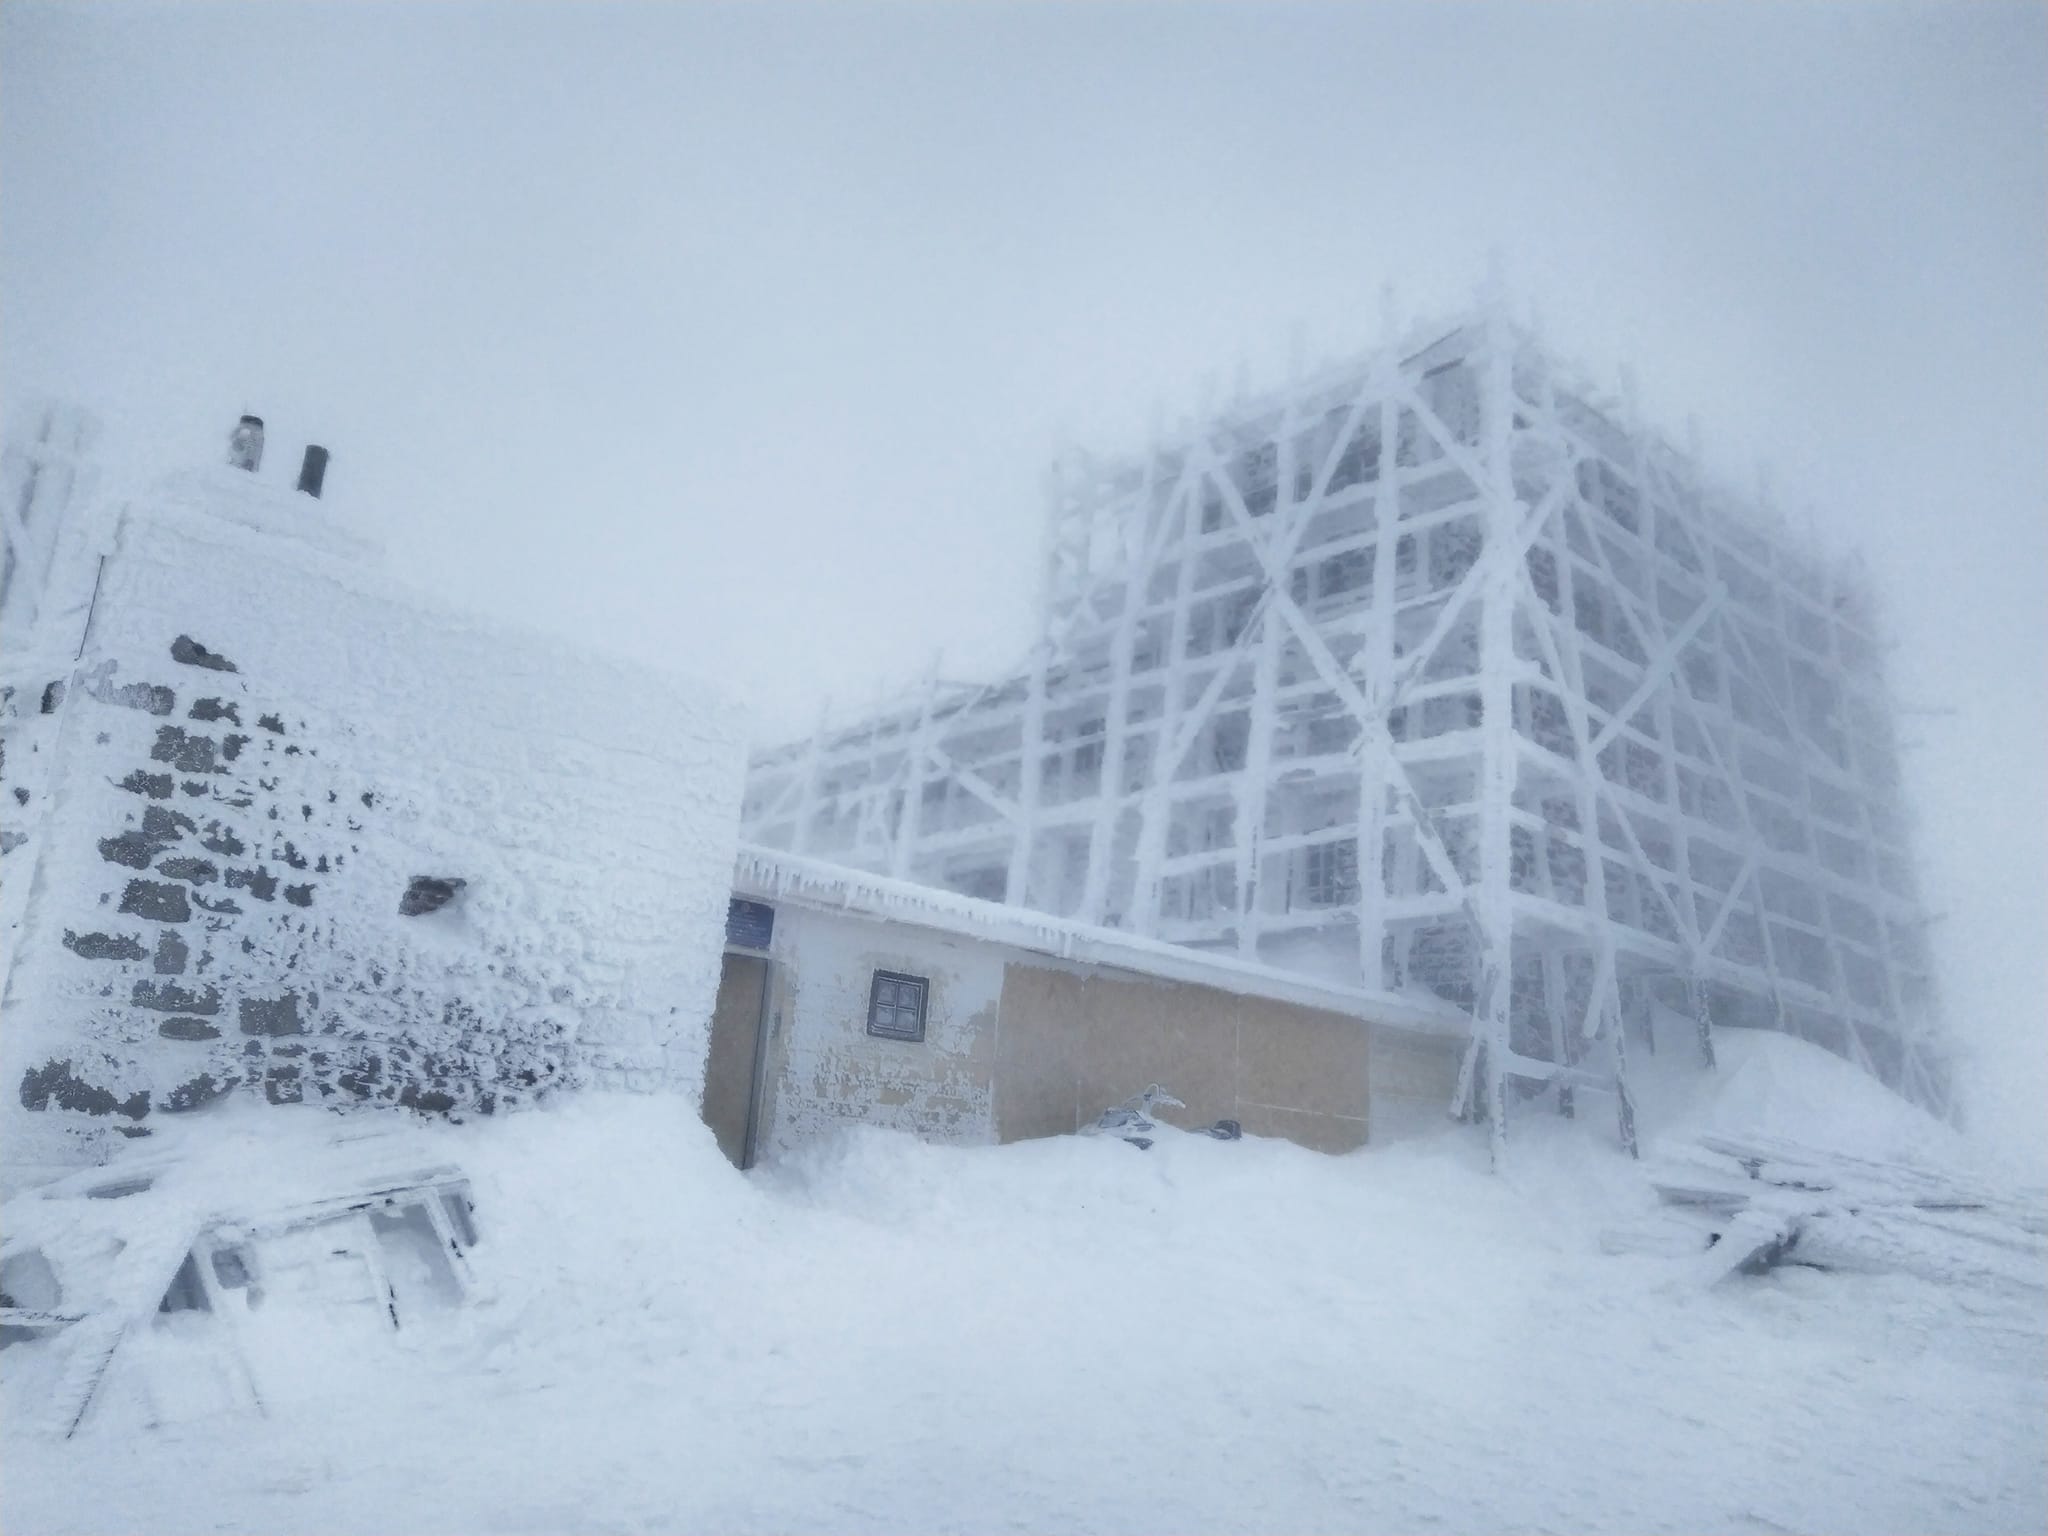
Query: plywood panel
[(1041, 1026), (1073, 1044), (1299, 1058), (1181, 1037)]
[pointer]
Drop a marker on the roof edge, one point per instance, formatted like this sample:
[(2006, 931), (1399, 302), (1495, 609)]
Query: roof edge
[(814, 883)]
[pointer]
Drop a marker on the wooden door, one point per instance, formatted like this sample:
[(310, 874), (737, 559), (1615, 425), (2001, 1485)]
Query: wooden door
[(730, 1066)]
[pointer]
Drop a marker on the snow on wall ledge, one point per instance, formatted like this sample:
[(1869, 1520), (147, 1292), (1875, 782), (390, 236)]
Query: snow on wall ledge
[(285, 828)]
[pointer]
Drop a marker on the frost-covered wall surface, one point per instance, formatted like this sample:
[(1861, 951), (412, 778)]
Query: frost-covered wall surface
[(826, 1070), (284, 828)]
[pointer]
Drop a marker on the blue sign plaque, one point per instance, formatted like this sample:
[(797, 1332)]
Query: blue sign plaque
[(748, 924)]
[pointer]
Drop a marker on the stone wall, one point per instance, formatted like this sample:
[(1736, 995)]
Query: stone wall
[(287, 829)]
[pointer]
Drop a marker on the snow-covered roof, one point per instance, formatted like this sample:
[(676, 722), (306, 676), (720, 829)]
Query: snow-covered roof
[(772, 874)]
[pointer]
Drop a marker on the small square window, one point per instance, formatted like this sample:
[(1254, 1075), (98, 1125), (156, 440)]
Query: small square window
[(896, 1006)]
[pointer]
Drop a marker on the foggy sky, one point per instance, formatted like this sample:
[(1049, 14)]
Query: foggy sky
[(738, 338)]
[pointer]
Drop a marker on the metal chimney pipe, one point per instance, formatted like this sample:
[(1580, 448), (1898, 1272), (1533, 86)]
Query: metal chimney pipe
[(313, 472), (245, 444)]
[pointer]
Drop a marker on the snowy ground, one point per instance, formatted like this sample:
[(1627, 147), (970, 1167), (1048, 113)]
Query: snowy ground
[(1071, 1335)]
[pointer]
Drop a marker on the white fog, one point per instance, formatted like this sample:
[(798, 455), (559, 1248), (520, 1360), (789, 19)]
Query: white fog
[(1333, 563)]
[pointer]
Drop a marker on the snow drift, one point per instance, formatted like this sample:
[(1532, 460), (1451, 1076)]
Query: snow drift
[(1071, 1334)]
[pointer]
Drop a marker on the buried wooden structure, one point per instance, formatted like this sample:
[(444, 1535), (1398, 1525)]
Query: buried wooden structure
[(1757, 1202), (103, 1277)]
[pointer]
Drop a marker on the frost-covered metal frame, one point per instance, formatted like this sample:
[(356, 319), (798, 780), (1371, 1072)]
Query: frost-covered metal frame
[(1605, 743)]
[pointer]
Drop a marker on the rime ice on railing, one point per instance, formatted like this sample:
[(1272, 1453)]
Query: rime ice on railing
[(47, 472)]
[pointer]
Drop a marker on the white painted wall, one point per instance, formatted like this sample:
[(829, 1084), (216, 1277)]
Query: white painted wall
[(823, 1069)]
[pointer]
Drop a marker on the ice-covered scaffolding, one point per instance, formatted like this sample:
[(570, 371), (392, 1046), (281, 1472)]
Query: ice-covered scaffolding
[(1433, 672)]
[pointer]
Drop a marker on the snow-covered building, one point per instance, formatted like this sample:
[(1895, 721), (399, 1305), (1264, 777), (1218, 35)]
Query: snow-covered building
[(852, 997), (277, 825), (1431, 676), (1428, 701)]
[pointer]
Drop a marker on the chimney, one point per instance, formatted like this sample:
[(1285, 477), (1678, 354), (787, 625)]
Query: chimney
[(245, 444), (313, 472)]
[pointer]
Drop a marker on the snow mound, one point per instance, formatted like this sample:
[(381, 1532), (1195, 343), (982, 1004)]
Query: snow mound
[(879, 1335), (1774, 1087)]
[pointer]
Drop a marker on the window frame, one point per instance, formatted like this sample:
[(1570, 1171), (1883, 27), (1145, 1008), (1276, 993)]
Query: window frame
[(895, 1007)]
